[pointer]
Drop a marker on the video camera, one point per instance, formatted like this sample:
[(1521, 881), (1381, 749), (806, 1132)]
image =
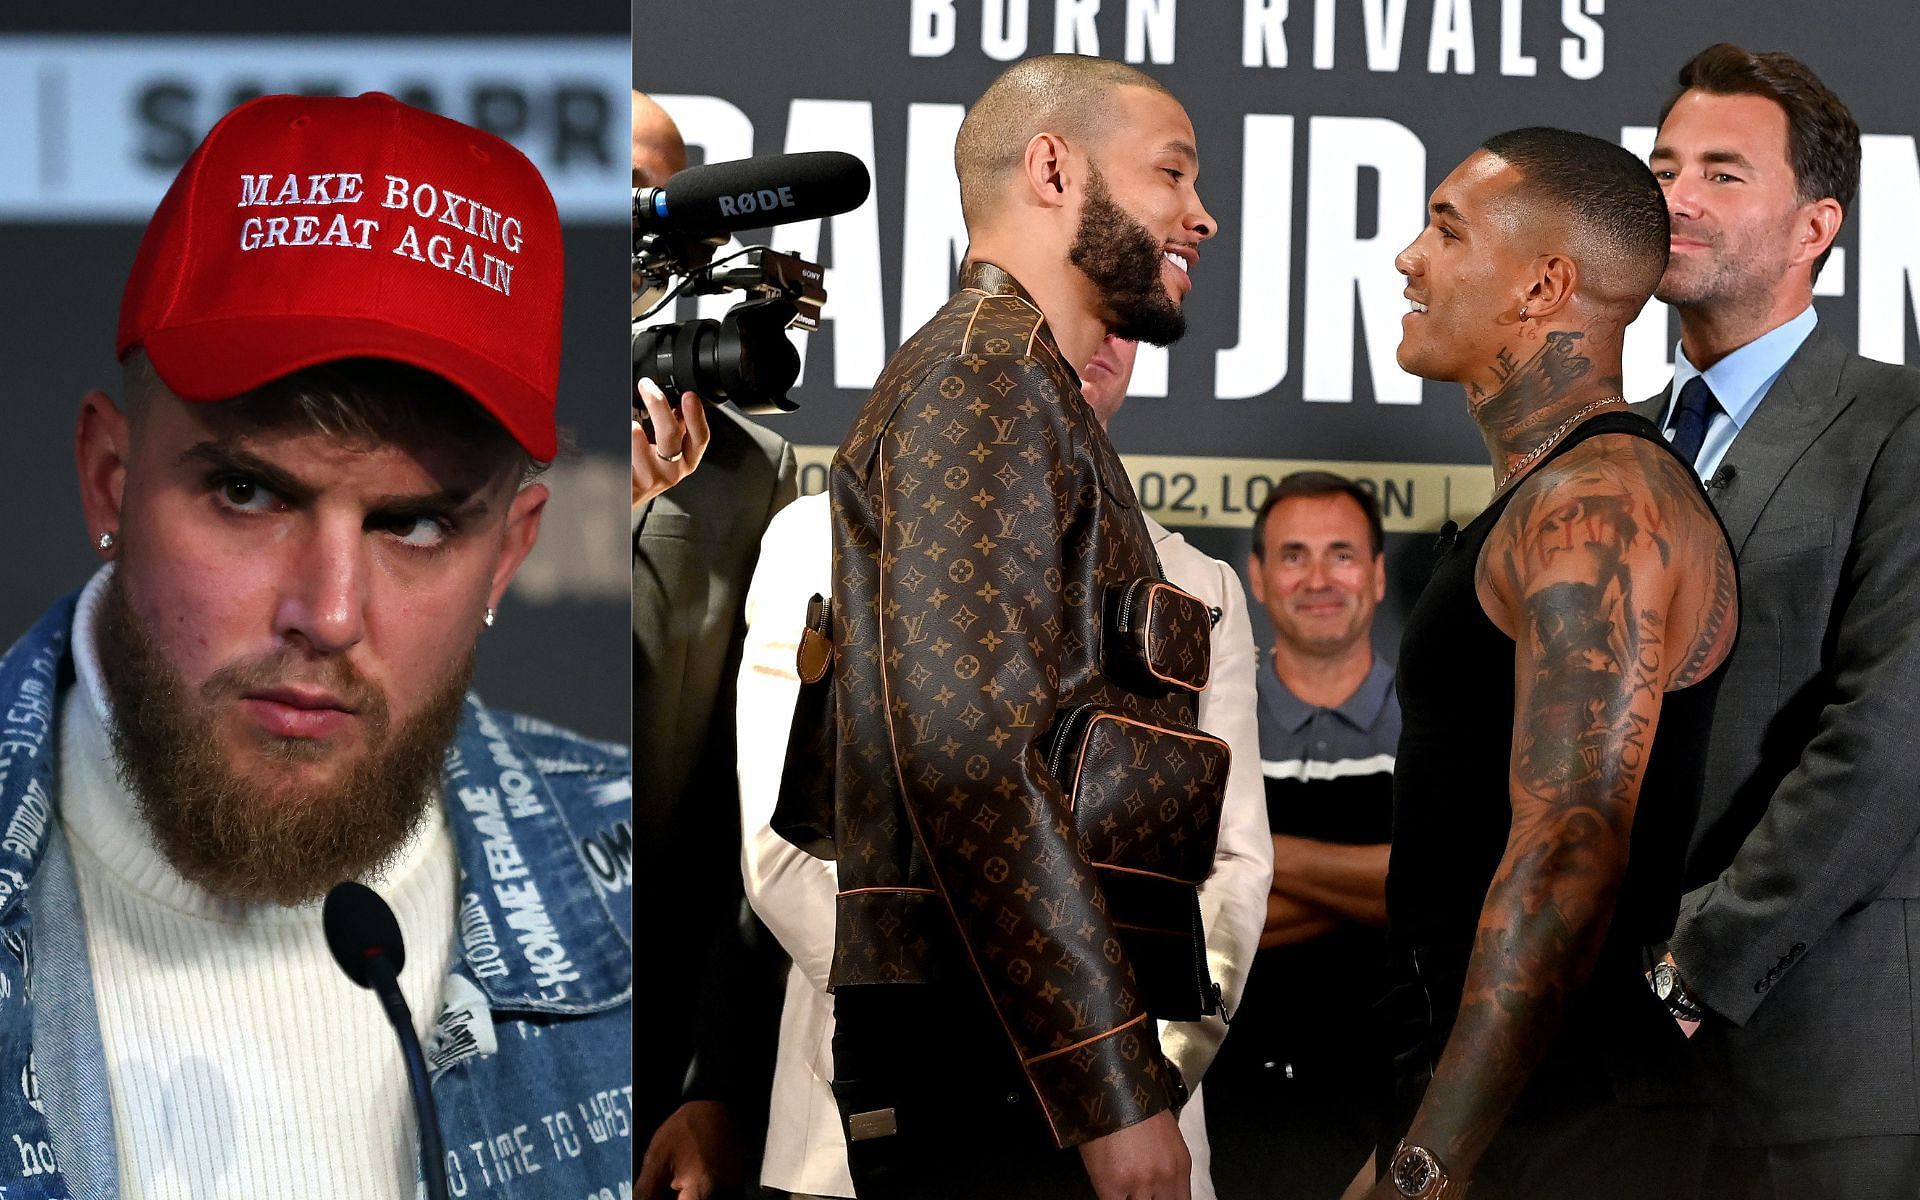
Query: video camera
[(744, 357)]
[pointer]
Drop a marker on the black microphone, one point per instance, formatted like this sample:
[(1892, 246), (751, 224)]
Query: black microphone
[(750, 193), (365, 940), (1722, 478)]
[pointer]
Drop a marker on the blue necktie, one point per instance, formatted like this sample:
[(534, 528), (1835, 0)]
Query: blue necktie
[(1690, 420)]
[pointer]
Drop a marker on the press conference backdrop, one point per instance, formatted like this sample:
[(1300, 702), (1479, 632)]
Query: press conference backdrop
[(98, 109), (1323, 125)]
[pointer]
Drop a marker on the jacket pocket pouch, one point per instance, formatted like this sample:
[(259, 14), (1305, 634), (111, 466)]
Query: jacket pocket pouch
[(1145, 801), (1159, 638), (1158, 920)]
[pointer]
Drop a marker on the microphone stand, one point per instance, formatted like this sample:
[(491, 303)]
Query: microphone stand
[(433, 1156), (364, 938)]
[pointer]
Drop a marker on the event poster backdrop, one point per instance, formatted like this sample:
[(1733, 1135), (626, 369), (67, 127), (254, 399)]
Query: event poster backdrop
[(1322, 125)]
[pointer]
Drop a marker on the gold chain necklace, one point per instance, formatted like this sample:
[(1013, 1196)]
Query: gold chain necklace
[(1527, 459)]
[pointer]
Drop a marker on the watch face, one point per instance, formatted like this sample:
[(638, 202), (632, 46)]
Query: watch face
[(1414, 1171), (1663, 980)]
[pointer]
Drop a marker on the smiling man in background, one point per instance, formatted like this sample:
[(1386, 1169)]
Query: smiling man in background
[(1794, 948), (1305, 1067)]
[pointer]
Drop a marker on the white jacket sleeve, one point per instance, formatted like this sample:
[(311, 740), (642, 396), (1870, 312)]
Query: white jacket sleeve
[(792, 891), (1233, 901)]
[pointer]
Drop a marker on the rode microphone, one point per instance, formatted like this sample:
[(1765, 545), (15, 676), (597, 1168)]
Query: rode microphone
[(365, 940), (751, 193)]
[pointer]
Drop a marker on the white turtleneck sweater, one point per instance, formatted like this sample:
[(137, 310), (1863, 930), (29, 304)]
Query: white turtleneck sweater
[(241, 1061)]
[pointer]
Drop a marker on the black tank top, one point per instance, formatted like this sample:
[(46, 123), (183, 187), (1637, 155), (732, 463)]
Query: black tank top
[(1451, 807)]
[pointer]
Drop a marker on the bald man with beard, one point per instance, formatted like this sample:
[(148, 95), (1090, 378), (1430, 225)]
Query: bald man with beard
[(793, 892), (987, 1017)]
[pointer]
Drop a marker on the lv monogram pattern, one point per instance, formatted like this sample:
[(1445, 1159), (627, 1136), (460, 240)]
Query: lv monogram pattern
[(980, 517), (1166, 641), (1179, 637), (1148, 799)]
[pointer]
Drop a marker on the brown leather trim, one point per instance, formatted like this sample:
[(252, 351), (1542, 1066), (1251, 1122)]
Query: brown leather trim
[(1080, 765), (966, 338), (1151, 929), (911, 891), (1053, 352), (1033, 331), (1180, 683), (813, 657), (1120, 1028), (1149, 874)]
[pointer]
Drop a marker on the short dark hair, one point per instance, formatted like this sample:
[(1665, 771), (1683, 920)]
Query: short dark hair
[(1066, 94), (358, 399), (1613, 205), (1319, 483), (1823, 140)]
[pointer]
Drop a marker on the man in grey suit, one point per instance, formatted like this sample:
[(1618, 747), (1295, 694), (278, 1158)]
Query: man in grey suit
[(705, 484), (1794, 948)]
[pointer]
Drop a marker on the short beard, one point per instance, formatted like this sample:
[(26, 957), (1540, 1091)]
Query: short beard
[(1726, 296), (253, 840), (1123, 260), (1738, 283)]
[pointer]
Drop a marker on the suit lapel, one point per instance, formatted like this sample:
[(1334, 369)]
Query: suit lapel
[(1802, 402), (1809, 394)]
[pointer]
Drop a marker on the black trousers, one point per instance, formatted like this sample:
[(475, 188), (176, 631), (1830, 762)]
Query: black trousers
[(1862, 1168), (1275, 1138), (934, 1066)]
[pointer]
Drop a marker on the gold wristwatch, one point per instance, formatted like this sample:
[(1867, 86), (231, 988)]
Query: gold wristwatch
[(1416, 1172)]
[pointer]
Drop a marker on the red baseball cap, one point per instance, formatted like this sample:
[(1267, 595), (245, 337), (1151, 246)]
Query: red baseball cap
[(306, 229)]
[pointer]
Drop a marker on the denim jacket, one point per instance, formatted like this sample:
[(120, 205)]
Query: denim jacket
[(531, 1051)]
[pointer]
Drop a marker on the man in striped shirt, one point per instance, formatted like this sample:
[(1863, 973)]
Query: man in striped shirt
[(1304, 1062)]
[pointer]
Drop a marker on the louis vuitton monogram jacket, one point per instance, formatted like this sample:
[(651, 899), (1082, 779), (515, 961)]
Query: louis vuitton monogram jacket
[(980, 518)]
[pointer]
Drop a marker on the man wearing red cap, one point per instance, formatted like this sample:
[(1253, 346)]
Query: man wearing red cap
[(341, 348)]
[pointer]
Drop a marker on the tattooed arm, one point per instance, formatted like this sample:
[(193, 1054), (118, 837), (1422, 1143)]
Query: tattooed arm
[(1600, 586)]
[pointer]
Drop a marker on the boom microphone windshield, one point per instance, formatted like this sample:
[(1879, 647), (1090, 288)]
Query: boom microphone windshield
[(751, 193)]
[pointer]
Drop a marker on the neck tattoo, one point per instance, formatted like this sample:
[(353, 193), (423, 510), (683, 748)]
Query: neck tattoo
[(1526, 460)]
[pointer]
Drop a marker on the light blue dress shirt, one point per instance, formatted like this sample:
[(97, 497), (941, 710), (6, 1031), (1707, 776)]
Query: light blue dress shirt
[(1738, 381)]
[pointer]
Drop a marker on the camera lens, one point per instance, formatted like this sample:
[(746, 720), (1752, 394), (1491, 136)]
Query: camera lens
[(744, 358)]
